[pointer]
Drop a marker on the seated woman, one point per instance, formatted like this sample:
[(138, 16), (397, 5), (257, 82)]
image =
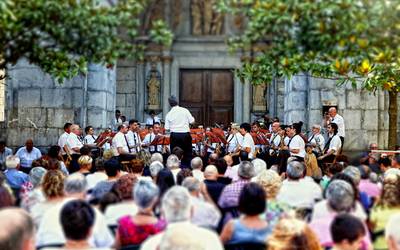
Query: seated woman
[(135, 229), (250, 227)]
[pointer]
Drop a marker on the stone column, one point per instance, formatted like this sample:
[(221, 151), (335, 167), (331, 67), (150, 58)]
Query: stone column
[(101, 89), (167, 59), (296, 100), (140, 90), (246, 101)]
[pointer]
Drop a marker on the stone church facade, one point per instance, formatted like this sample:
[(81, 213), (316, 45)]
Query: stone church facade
[(198, 69)]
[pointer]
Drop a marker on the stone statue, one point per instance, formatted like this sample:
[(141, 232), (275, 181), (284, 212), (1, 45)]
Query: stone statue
[(205, 20), (259, 95), (153, 88)]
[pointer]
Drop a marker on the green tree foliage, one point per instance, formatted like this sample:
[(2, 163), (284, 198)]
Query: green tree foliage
[(356, 41), (63, 36)]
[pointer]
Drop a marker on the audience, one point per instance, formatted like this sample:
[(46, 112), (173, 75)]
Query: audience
[(176, 208), (183, 206)]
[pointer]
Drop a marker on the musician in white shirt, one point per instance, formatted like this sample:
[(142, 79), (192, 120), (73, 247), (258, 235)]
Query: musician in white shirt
[(73, 146), (63, 138), (90, 138), (296, 143), (275, 139), (133, 137), (177, 122), (149, 138), (332, 146), (248, 142), (120, 145), (316, 139), (234, 139), (333, 117), (152, 119)]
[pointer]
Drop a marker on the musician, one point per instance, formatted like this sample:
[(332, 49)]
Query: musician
[(63, 139), (90, 138), (177, 122), (316, 139), (247, 144), (73, 146), (332, 146), (133, 137), (274, 145), (296, 144), (149, 138), (234, 139), (120, 144), (259, 147), (152, 119), (334, 117)]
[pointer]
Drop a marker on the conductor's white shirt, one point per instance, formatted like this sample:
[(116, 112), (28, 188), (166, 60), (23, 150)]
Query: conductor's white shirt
[(178, 120)]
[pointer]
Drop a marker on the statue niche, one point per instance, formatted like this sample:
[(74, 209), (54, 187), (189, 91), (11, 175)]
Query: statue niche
[(205, 20), (153, 88), (259, 103)]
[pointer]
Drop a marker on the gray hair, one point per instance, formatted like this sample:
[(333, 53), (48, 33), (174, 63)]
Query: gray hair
[(191, 183), (186, 240), (145, 192), (173, 162), (36, 175), (75, 183), (259, 165), (156, 157), (295, 170), (340, 195), (12, 161), (246, 170), (210, 171), (155, 167), (196, 163), (354, 173), (176, 204), (317, 126)]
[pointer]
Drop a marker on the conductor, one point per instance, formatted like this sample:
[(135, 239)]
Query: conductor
[(177, 122)]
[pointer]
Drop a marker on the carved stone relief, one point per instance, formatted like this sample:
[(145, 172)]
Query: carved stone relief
[(153, 88), (259, 103), (205, 20)]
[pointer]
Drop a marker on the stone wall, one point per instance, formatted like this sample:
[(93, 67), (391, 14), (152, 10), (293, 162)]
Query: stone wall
[(126, 88), (365, 113), (37, 106)]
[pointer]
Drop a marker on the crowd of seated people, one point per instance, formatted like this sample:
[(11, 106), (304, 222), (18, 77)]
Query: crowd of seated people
[(214, 205)]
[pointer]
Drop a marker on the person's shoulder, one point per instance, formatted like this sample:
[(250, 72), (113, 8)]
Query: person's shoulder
[(152, 242)]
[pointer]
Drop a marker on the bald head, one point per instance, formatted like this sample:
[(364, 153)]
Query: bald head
[(17, 230), (332, 112), (29, 145), (211, 172)]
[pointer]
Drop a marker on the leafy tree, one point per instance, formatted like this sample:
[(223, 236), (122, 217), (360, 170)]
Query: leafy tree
[(356, 41), (63, 36)]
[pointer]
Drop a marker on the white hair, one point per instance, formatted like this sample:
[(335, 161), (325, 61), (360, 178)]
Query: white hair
[(191, 183), (75, 183), (173, 162), (176, 204), (12, 161), (156, 157), (196, 163), (187, 240), (210, 170), (155, 167), (145, 193), (259, 165)]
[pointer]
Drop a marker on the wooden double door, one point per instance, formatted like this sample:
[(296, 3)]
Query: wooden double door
[(208, 94)]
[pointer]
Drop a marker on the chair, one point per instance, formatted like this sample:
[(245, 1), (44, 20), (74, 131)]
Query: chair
[(55, 245), (131, 247), (246, 246)]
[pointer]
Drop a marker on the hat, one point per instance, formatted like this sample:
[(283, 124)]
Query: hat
[(12, 161), (172, 100)]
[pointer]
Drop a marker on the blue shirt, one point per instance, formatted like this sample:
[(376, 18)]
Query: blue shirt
[(28, 157), (16, 178), (242, 233), (3, 155)]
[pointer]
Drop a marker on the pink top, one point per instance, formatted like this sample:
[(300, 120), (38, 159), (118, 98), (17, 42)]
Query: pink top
[(372, 189), (321, 227)]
